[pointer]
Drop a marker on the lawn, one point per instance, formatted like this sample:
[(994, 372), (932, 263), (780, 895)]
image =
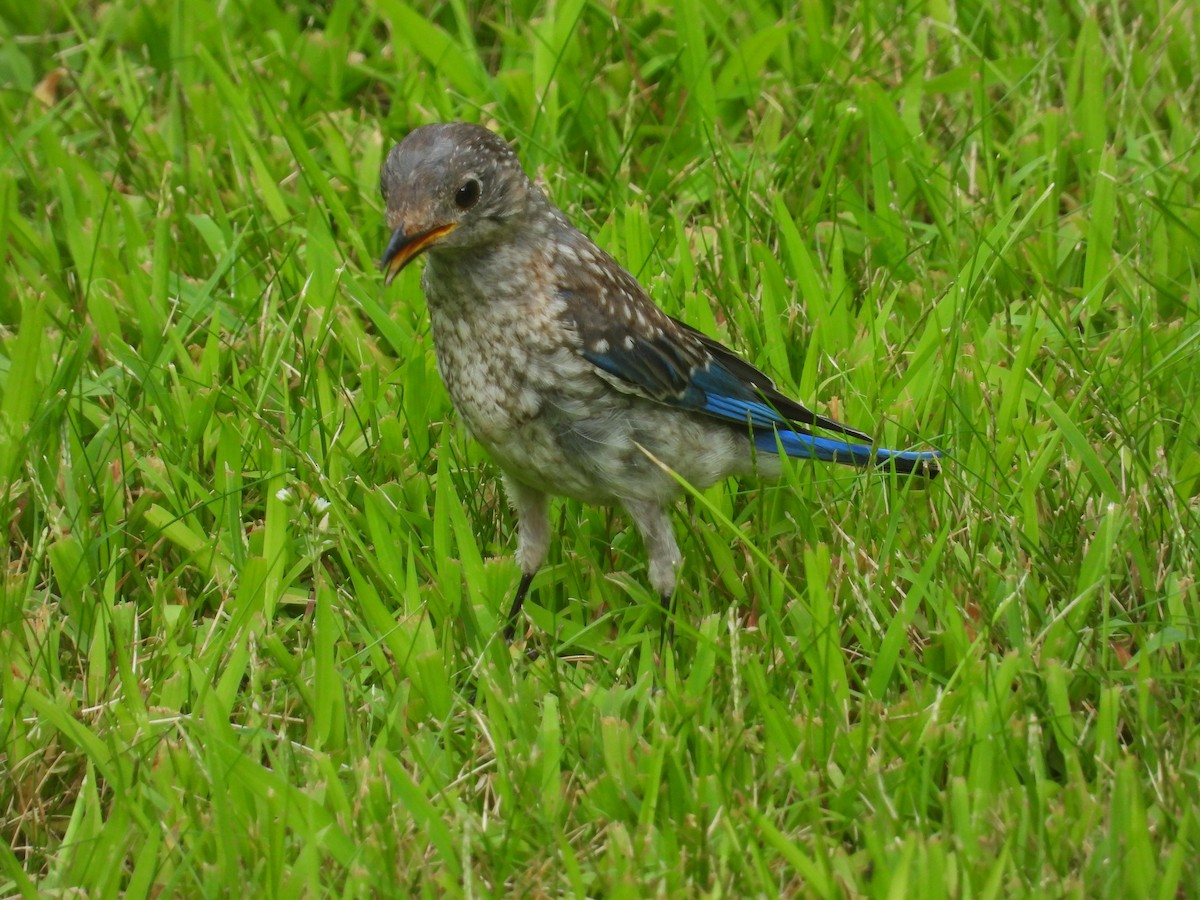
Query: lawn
[(255, 568)]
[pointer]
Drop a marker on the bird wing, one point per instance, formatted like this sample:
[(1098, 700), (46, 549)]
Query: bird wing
[(639, 349)]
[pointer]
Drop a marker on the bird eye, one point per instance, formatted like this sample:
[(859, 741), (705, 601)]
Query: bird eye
[(467, 195)]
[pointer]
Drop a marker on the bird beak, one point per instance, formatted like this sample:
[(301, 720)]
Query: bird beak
[(404, 248)]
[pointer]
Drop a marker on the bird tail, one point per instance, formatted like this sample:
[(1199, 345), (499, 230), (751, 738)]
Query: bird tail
[(921, 463)]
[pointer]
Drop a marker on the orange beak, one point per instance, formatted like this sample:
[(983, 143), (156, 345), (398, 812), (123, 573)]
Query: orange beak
[(404, 248)]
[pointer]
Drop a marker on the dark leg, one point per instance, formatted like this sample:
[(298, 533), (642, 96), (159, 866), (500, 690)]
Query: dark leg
[(668, 619), (533, 539), (510, 628)]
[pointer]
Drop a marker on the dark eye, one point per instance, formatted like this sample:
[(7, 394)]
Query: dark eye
[(467, 195)]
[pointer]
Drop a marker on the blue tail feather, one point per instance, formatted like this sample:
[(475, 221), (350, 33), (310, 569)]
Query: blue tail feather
[(810, 446)]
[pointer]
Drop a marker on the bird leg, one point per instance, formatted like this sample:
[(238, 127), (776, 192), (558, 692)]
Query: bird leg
[(533, 540), (653, 521), (510, 625)]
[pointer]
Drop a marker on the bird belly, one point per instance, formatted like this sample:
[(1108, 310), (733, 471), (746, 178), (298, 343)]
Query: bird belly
[(614, 448), (548, 420), (517, 389)]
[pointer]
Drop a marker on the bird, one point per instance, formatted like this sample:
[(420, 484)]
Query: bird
[(561, 365)]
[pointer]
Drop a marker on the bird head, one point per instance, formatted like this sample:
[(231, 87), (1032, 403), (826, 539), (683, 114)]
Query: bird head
[(451, 186)]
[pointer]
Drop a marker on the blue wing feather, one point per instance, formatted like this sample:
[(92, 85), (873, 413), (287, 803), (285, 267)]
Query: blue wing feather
[(700, 382), (723, 396), (644, 351)]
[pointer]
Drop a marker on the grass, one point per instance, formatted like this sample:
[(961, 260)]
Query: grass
[(255, 568)]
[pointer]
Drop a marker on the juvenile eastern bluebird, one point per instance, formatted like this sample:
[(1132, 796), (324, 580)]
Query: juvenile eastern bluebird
[(565, 370)]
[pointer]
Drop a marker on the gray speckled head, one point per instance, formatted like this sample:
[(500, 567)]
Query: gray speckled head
[(451, 186)]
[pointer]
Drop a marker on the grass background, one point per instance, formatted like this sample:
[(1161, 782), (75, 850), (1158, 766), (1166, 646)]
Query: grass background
[(254, 569)]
